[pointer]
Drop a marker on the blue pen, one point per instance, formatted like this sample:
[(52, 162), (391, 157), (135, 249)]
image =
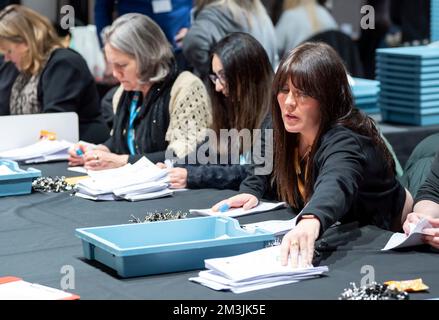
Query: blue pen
[(224, 207), (79, 152)]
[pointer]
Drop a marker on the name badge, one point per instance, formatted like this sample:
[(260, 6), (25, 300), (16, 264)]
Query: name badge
[(161, 6)]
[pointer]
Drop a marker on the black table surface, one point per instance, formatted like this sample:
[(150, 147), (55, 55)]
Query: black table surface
[(37, 240)]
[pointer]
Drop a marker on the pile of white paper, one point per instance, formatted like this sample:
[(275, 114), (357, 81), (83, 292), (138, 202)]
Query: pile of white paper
[(253, 271), (41, 151), (140, 181), (237, 212)]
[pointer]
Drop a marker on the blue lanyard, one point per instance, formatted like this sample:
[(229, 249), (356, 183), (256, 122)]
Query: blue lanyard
[(134, 112)]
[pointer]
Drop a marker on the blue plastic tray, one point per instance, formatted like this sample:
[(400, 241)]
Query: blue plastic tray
[(407, 82), (395, 67), (412, 53), (409, 103), (408, 89), (18, 183), (366, 100), (419, 63), (409, 96), (408, 109), (407, 75), (409, 118), (168, 246)]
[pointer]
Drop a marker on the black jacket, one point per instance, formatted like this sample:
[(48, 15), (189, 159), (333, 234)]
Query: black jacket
[(66, 85), (226, 176), (430, 189), (150, 125), (352, 182), (8, 74)]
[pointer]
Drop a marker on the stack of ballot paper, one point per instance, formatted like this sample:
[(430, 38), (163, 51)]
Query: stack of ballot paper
[(253, 271), (140, 181), (41, 151)]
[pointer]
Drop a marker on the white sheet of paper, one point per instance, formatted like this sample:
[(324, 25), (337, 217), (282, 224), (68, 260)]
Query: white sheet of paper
[(277, 227), (23, 290), (400, 240), (4, 170), (77, 169), (161, 6), (237, 212)]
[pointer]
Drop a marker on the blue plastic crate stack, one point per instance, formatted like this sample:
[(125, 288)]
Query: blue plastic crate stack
[(409, 80), (434, 20), (366, 95)]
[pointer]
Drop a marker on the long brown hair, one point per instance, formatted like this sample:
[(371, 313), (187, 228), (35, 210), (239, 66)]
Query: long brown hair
[(249, 75), (20, 24), (318, 71)]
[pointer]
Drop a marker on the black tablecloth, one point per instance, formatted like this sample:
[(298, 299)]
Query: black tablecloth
[(37, 240)]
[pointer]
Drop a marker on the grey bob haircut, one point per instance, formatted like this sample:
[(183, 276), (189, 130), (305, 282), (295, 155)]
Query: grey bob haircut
[(140, 37)]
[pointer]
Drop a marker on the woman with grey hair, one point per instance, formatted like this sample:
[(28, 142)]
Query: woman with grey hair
[(158, 111)]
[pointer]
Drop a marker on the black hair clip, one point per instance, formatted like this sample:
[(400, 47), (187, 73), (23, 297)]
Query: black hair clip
[(374, 291), (159, 216), (49, 184)]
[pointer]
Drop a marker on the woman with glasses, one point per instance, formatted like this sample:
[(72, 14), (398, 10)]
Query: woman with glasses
[(240, 91), (51, 78), (159, 110), (330, 163)]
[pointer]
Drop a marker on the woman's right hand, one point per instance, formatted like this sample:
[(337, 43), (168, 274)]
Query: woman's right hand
[(76, 154), (245, 200)]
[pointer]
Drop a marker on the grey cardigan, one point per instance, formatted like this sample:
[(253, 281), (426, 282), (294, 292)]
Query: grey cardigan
[(212, 24)]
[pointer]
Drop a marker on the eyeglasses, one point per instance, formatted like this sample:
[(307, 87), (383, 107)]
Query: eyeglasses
[(214, 77), (298, 95)]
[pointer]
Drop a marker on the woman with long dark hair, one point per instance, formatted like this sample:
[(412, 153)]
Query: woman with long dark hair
[(240, 94), (330, 162)]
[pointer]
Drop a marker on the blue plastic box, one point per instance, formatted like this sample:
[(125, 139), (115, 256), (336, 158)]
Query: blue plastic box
[(18, 183), (168, 246)]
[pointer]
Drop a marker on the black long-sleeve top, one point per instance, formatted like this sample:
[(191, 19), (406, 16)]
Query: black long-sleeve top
[(228, 175), (66, 85), (352, 182), (430, 188), (8, 74)]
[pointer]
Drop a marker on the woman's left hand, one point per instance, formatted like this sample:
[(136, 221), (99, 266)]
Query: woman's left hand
[(101, 160), (300, 242), (178, 178)]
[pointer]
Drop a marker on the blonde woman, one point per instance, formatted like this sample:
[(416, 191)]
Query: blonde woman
[(215, 19), (300, 20), (51, 78)]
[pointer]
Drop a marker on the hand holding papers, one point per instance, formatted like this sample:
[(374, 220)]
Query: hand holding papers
[(41, 151), (133, 182), (237, 212), (400, 240), (252, 271)]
